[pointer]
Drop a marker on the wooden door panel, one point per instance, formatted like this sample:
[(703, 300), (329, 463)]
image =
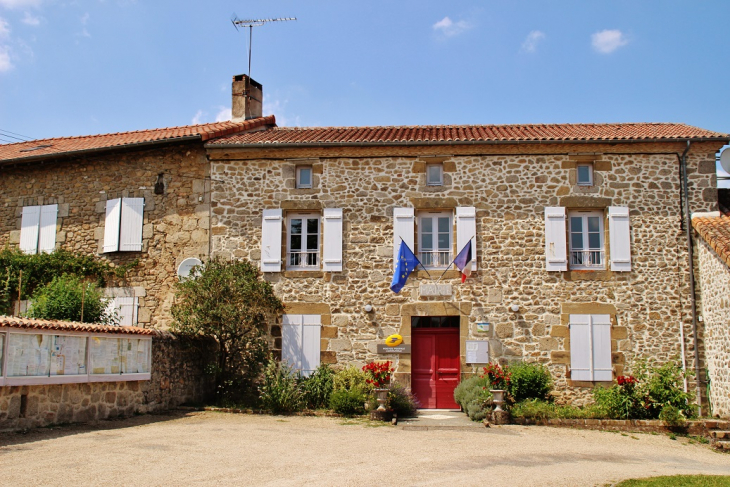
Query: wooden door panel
[(435, 366)]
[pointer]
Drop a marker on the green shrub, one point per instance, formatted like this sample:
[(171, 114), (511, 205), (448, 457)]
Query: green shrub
[(350, 379), (672, 415), (317, 388), (466, 386), (401, 401), (348, 402), (665, 387), (477, 400), (279, 390), (68, 298), (537, 409), (529, 381)]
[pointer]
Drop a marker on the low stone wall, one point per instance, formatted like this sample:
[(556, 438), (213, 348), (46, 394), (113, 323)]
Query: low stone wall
[(695, 428), (177, 377)]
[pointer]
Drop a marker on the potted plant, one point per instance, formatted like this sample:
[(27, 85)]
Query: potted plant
[(499, 378), (379, 375)]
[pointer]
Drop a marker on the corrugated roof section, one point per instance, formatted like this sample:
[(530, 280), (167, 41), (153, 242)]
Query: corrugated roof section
[(46, 148), (56, 325), (469, 133)]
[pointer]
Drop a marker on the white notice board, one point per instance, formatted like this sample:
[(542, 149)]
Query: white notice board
[(477, 352)]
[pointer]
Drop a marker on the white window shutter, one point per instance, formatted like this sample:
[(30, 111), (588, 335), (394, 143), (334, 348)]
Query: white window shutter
[(619, 232), (580, 348), (403, 228), (29, 225), (271, 240), (332, 240), (291, 340), (127, 310), (111, 224), (130, 239), (556, 255), (311, 343), (47, 231), (602, 369), (466, 228)]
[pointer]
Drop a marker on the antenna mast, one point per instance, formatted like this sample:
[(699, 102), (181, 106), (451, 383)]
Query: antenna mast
[(250, 23)]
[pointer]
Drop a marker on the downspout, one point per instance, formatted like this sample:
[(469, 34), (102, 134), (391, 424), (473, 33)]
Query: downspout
[(690, 256)]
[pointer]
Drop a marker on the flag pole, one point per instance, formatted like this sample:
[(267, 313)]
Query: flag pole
[(419, 260), (452, 262)]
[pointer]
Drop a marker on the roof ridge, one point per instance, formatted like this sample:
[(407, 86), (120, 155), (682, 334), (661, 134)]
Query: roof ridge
[(465, 126)]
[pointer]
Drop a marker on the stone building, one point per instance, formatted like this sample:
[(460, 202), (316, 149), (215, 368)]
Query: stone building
[(578, 238), (714, 265), (137, 196)]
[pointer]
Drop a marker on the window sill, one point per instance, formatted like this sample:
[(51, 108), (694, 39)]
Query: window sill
[(588, 383), (303, 274), (436, 273), (587, 275)]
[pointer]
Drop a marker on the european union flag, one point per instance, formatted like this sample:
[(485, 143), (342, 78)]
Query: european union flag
[(407, 263)]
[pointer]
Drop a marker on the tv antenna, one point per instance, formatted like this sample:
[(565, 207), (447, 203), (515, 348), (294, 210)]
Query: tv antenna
[(250, 23)]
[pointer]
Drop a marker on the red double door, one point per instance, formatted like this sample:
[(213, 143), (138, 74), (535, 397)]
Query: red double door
[(435, 366)]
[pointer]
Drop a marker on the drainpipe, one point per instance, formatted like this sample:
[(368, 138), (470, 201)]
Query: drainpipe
[(690, 256)]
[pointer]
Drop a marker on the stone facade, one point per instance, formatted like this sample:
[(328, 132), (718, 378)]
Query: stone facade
[(715, 286), (177, 378), (509, 185), (176, 223)]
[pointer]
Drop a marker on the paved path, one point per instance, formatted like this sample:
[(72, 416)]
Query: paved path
[(229, 449)]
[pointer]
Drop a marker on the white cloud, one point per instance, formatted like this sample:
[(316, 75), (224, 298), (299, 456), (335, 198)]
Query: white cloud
[(4, 29), (19, 3), (276, 107), (5, 64), (449, 28), (85, 18), (198, 118), (223, 115), (533, 38), (608, 41), (31, 20)]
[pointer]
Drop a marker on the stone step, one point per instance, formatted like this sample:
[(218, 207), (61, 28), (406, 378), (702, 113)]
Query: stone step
[(717, 425), (720, 435), (722, 445)]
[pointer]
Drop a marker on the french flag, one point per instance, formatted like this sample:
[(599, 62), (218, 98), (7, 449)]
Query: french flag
[(463, 261)]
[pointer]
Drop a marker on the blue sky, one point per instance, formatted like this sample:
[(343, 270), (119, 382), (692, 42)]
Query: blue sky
[(97, 66)]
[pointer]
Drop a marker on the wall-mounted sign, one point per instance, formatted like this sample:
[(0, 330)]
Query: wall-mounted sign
[(477, 352), (394, 340), (483, 326), (402, 348)]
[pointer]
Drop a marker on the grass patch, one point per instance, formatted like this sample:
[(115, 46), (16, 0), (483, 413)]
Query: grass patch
[(678, 481)]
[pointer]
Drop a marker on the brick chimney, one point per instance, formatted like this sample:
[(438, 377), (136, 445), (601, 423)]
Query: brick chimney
[(248, 95)]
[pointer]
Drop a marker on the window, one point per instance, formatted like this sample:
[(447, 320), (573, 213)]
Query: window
[(304, 177), (586, 240), (585, 174), (434, 175), (303, 242), (435, 239), (123, 225), (126, 309), (590, 348), (300, 342), (38, 229)]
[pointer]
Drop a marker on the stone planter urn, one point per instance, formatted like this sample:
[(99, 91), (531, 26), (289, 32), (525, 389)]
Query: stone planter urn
[(381, 395), (498, 398), (380, 413)]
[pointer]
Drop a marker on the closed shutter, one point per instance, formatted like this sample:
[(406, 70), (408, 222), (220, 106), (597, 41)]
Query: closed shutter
[(291, 340), (271, 241), (29, 225), (619, 232), (555, 239), (127, 310), (111, 224), (580, 348), (311, 343), (130, 239), (332, 240), (466, 229), (47, 231), (403, 228), (602, 369)]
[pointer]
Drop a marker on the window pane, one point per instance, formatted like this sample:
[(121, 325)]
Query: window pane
[(305, 176), (594, 240), (444, 243), (312, 242), (312, 225), (584, 174), (426, 241), (296, 226), (434, 174), (426, 225), (592, 223), (444, 224), (296, 243), (576, 224), (576, 241)]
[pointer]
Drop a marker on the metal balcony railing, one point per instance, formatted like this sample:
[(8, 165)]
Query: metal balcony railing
[(303, 259), (435, 258), (587, 259)]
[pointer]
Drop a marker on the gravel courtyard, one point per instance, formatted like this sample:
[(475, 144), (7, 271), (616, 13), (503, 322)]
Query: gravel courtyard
[(209, 448)]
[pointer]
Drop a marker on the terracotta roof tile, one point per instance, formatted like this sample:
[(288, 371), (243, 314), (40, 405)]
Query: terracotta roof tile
[(54, 325), (46, 148), (715, 230), (469, 134)]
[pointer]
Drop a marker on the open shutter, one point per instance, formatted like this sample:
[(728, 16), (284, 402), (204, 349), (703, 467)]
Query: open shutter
[(271, 241), (332, 240), (619, 233), (127, 310), (47, 231), (311, 344), (602, 369), (29, 224), (466, 228), (403, 228), (291, 340), (555, 239), (580, 348), (111, 224), (130, 239)]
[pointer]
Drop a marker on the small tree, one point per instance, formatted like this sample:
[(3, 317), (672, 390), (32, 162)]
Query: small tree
[(67, 297), (230, 303)]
